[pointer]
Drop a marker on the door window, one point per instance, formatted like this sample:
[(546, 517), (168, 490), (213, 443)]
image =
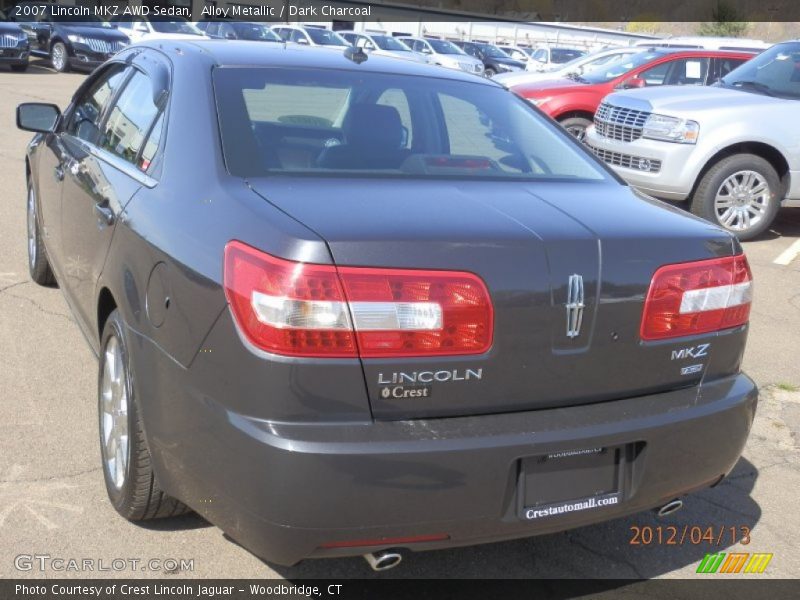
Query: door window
[(131, 119), (84, 123), (688, 71)]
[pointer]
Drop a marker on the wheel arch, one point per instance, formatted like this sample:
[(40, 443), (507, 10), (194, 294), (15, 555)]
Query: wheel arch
[(106, 304), (575, 113), (766, 151)]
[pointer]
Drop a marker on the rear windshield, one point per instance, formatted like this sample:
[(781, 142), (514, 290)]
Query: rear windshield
[(445, 47), (387, 42), (314, 121), (564, 55), (325, 37)]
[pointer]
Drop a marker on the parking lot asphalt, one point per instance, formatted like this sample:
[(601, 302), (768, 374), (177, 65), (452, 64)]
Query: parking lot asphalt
[(53, 501)]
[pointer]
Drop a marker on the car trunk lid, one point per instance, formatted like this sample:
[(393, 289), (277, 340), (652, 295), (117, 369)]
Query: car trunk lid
[(533, 244)]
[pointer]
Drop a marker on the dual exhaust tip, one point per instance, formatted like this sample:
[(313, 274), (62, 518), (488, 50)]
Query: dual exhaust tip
[(388, 559)]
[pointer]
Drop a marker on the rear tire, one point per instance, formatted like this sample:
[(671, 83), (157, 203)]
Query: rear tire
[(38, 263), (576, 126), (490, 72), (740, 194), (59, 57), (127, 463), (19, 68)]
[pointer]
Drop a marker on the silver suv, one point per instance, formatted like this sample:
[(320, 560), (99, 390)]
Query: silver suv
[(732, 150)]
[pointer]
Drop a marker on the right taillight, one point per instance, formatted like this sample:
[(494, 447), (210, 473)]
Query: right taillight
[(302, 309), (697, 297)]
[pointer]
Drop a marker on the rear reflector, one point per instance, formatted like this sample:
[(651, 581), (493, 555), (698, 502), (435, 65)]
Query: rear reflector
[(697, 297), (300, 309), (416, 539)]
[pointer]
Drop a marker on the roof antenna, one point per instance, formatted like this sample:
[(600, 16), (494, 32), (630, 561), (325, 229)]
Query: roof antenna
[(356, 54)]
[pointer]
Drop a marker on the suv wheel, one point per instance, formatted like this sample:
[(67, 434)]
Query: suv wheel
[(59, 57), (740, 194), (38, 264), (576, 126), (490, 72), (127, 464)]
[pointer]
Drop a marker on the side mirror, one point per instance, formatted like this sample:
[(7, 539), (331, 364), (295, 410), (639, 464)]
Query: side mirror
[(37, 117), (140, 27), (230, 36), (633, 82), (302, 40)]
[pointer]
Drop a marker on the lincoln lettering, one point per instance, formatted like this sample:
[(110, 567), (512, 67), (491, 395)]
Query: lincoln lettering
[(430, 376)]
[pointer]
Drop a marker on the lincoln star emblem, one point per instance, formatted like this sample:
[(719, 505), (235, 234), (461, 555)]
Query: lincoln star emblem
[(574, 305)]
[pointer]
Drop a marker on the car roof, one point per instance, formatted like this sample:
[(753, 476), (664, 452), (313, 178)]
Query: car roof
[(241, 53), (699, 52)]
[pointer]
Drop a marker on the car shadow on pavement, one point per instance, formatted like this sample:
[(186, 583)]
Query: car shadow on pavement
[(713, 520), (183, 523)]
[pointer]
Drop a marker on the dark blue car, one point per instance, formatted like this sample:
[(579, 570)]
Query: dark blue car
[(67, 39), (14, 46)]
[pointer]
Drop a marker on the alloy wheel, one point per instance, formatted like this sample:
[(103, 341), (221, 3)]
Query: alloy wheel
[(578, 131), (114, 413), (59, 57), (742, 200)]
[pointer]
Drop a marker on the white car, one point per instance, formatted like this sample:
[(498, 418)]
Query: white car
[(382, 44), (549, 58), (144, 28), (444, 53), (578, 66), (307, 35)]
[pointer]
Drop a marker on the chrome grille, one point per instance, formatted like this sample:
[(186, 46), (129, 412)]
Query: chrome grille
[(618, 123), (8, 41), (103, 46), (628, 161)]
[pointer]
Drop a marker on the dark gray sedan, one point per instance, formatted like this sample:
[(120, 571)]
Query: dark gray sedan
[(347, 306)]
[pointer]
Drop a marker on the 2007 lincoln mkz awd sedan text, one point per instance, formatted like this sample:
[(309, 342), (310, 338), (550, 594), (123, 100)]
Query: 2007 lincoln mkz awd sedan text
[(346, 305)]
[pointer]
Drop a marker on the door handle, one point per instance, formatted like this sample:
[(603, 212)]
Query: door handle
[(59, 173), (104, 213)]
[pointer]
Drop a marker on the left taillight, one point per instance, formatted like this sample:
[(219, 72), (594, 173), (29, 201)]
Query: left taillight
[(697, 297), (302, 309)]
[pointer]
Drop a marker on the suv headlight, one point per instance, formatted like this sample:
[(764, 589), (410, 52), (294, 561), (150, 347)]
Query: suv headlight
[(671, 129), (76, 39)]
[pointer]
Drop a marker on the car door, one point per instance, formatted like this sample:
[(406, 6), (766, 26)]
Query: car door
[(39, 31), (109, 167)]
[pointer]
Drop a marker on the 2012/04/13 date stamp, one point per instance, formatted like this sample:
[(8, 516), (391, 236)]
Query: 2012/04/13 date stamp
[(695, 535)]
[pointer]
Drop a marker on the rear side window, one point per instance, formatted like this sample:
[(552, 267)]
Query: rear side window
[(131, 119), (89, 109)]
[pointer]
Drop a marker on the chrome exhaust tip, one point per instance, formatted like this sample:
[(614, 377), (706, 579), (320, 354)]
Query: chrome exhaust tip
[(383, 561), (669, 508)]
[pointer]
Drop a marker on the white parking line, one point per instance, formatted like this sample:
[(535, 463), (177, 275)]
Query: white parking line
[(788, 255)]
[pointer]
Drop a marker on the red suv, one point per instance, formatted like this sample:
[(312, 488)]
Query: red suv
[(573, 102)]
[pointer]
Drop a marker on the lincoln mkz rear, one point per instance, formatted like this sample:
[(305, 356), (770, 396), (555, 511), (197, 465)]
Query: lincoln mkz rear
[(343, 306)]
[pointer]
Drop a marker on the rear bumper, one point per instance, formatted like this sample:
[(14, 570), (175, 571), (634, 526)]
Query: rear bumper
[(285, 491)]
